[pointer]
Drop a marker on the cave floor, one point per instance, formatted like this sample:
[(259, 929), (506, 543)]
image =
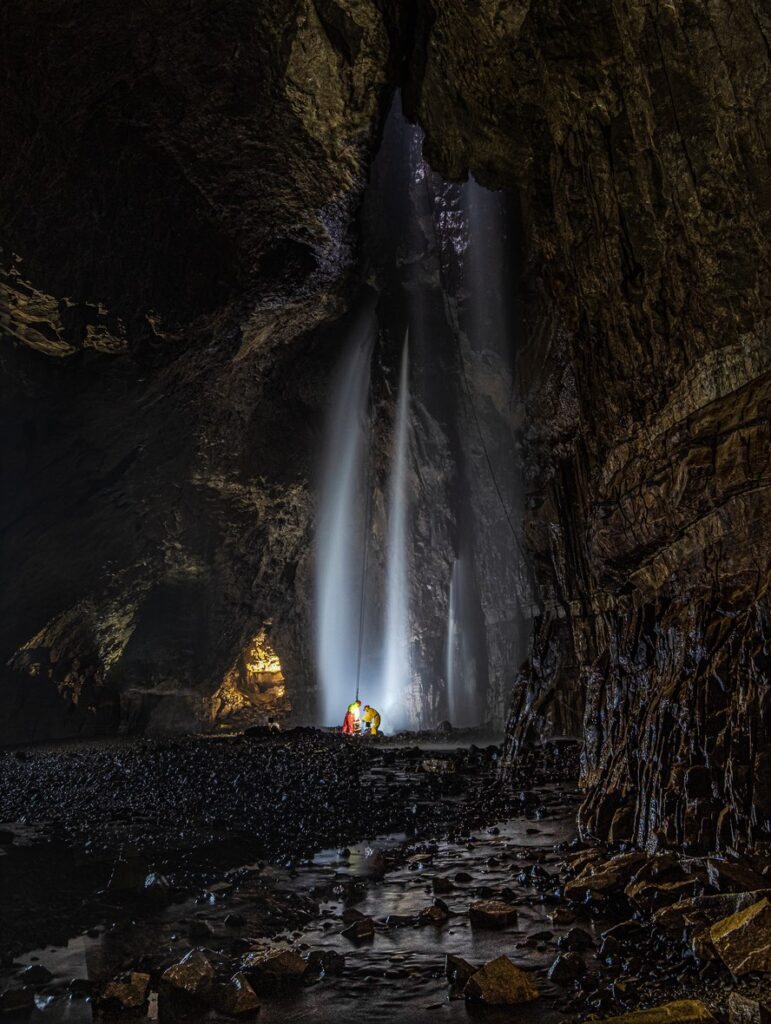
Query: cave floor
[(124, 857)]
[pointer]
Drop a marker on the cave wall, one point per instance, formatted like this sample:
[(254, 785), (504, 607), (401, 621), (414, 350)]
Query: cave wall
[(637, 133)]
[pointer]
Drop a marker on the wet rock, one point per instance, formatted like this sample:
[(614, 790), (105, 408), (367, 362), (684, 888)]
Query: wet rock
[(746, 1010), (683, 1011), (15, 1000), (362, 930), (457, 970), (743, 940), (235, 921), (730, 877), (274, 966), (441, 886), (703, 910), (576, 939), (491, 914), (81, 987), (400, 921), (702, 945), (651, 896), (607, 879), (156, 888), (192, 976), (128, 875), (327, 961), (622, 825), (35, 974), (435, 915), (237, 998), (129, 992), (566, 968), (501, 983), (463, 877)]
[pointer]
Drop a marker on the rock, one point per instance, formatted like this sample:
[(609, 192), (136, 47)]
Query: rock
[(274, 966), (703, 910), (16, 1000), (491, 914), (566, 968), (622, 825), (237, 998), (128, 875), (697, 783), (702, 946), (360, 931), (500, 983), (435, 915), (235, 921), (441, 886), (607, 879), (726, 876), (683, 1011), (463, 877), (576, 939), (156, 888), (129, 992), (35, 974), (746, 1010), (438, 766), (743, 940), (193, 975), (457, 970), (327, 961), (651, 896)]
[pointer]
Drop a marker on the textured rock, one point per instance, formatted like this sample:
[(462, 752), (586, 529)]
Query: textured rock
[(684, 1011), (129, 992), (491, 914), (280, 965), (743, 940), (193, 975), (500, 983), (745, 1010), (237, 998)]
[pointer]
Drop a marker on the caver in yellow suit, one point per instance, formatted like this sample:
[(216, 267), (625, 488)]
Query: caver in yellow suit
[(371, 717)]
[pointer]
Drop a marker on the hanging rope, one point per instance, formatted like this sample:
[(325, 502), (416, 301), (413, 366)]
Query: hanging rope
[(364, 560)]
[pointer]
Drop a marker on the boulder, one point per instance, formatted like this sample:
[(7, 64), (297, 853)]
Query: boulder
[(237, 998), (362, 930), (458, 970), (651, 896), (435, 915), (491, 914), (726, 876), (128, 992), (566, 968), (500, 983), (327, 961), (193, 975), (746, 1010), (274, 966), (607, 879), (683, 1011), (743, 940), (701, 910)]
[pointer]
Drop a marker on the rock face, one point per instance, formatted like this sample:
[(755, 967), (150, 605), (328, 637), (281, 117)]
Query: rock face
[(635, 136)]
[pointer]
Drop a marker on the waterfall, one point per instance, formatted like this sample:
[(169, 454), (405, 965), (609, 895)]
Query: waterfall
[(451, 652), (341, 527), (397, 669)]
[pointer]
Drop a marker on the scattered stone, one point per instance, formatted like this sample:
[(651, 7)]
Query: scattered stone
[(435, 915), (728, 877), (491, 914), (281, 965), (441, 886), (327, 961), (193, 975), (500, 983), (745, 1010), (237, 998), (566, 968), (129, 992), (683, 1011), (35, 974), (743, 940), (362, 930), (458, 970)]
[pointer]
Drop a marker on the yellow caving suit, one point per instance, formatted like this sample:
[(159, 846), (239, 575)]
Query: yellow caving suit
[(372, 718)]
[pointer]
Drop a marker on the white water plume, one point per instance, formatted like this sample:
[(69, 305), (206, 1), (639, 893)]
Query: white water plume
[(397, 666), (340, 535)]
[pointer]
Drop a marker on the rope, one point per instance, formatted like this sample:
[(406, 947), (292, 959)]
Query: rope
[(364, 565)]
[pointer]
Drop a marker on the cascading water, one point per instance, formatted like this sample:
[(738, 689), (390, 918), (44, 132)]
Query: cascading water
[(341, 527), (451, 652), (397, 667)]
